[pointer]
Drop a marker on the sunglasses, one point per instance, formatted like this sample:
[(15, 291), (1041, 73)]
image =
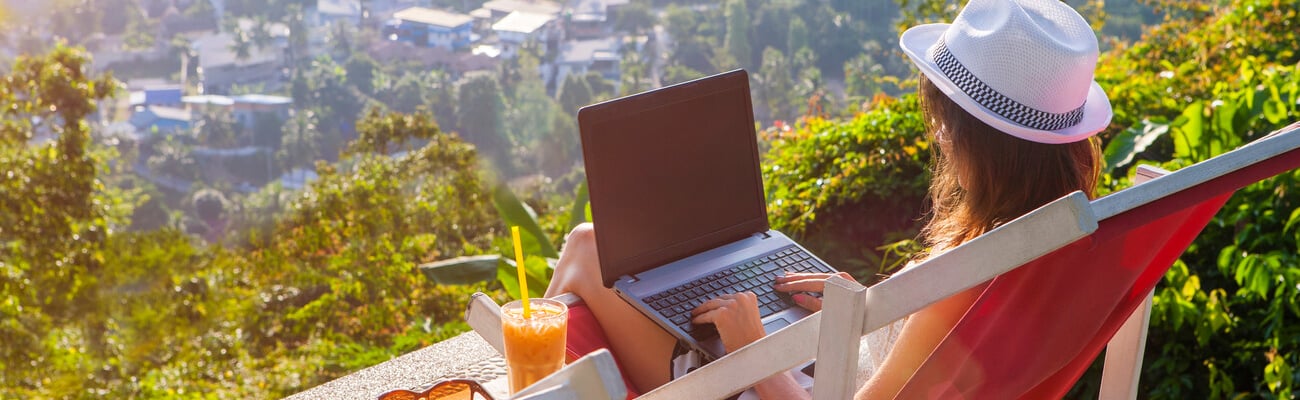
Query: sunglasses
[(455, 389)]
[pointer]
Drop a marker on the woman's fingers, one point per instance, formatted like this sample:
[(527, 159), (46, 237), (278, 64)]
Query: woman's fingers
[(798, 276), (711, 304), (806, 282), (706, 312), (803, 285), (809, 302)]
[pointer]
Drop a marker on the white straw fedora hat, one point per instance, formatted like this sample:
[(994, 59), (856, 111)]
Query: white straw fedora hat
[(1024, 67)]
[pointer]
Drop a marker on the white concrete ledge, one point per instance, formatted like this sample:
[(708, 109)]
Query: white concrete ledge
[(466, 355)]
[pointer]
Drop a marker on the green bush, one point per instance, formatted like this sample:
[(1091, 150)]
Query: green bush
[(848, 188)]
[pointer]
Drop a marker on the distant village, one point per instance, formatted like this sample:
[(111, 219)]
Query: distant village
[(576, 37)]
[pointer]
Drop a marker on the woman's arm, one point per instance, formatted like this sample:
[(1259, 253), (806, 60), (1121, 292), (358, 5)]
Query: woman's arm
[(736, 317), (921, 334), (781, 386)]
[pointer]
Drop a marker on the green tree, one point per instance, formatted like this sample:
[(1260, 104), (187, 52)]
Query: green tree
[(360, 71), (261, 33), (301, 147), (635, 17), (54, 216), (675, 74), (241, 43), (860, 77), (443, 101), (529, 119), (217, 128), (574, 93), (797, 39), (635, 74), (140, 32), (481, 113), (268, 127), (601, 88), (381, 133), (774, 84), (562, 149), (737, 42)]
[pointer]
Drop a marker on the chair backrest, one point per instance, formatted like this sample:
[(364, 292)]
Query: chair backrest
[(1035, 330)]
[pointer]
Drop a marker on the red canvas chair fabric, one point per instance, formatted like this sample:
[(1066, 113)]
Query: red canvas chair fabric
[(1058, 312), (585, 336)]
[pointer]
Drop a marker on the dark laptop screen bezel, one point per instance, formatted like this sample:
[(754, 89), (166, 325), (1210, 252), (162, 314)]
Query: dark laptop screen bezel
[(592, 116)]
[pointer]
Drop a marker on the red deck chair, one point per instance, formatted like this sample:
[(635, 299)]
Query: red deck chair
[(1059, 282), (1054, 315)]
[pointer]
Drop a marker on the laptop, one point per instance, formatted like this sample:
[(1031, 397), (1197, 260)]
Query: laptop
[(677, 200)]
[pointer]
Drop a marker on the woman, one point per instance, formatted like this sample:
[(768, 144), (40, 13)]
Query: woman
[(1007, 93)]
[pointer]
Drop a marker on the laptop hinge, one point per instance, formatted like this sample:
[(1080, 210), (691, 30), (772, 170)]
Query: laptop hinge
[(762, 235)]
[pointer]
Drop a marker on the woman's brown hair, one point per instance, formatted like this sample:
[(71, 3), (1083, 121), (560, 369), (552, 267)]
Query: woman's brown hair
[(983, 177)]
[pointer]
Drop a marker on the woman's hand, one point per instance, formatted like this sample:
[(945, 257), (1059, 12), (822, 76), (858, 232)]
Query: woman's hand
[(736, 317), (801, 282)]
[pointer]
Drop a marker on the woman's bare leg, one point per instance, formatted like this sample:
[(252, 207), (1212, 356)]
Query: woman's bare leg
[(640, 346)]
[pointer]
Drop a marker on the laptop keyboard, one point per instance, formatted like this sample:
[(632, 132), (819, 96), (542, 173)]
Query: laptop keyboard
[(756, 275)]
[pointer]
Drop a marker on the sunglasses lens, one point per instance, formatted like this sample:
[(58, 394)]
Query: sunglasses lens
[(399, 395), (451, 391)]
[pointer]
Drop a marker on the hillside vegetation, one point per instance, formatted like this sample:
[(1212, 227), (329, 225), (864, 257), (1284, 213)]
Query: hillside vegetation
[(329, 281)]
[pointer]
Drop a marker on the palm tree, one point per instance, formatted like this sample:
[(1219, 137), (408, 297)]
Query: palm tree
[(242, 44)]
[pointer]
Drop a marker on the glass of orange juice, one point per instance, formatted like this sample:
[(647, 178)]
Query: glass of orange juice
[(534, 346)]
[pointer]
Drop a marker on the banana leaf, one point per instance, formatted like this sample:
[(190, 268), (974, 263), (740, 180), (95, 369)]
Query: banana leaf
[(463, 270), (1124, 147), (537, 268), (516, 213), (578, 211)]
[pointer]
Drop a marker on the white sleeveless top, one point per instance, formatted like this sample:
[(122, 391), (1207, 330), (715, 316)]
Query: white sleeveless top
[(873, 349)]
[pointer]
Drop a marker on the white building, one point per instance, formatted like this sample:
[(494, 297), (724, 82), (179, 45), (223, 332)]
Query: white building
[(521, 27), (501, 8), (427, 27), (220, 67), (583, 56), (592, 18)]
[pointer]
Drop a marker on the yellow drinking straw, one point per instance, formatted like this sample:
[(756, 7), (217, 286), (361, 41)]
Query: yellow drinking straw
[(519, 262)]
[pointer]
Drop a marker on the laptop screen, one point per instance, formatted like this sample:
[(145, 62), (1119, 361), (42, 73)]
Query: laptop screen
[(672, 172)]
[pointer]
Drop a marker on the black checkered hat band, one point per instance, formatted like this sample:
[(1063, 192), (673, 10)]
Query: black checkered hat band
[(1001, 105)]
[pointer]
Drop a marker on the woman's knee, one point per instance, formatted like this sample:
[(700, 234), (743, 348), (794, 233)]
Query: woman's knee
[(579, 267), (583, 234)]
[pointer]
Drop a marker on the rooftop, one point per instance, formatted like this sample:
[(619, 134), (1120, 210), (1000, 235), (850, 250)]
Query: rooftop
[(208, 99), (594, 10), (481, 13), (532, 6), (343, 8), (264, 99), (584, 51), (522, 22), (169, 113), (429, 16)]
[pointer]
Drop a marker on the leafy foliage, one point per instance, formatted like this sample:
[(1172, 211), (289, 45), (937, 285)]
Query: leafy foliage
[(840, 185), (55, 213), (320, 282)]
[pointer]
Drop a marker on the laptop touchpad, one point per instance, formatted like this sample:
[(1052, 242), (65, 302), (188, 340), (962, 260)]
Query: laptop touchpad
[(775, 324)]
